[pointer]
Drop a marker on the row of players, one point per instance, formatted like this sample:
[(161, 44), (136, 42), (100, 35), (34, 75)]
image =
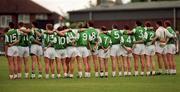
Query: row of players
[(63, 45)]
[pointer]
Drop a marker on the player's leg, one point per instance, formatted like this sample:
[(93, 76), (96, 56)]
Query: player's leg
[(125, 65), (58, 67), (19, 65), (173, 64), (159, 57), (106, 66), (95, 58), (39, 66), (51, 64), (46, 60), (64, 67), (79, 64), (101, 64), (147, 65), (25, 59), (120, 64), (168, 55), (113, 60), (136, 64), (71, 68), (129, 66), (34, 60), (165, 63), (152, 64), (11, 67), (142, 64)]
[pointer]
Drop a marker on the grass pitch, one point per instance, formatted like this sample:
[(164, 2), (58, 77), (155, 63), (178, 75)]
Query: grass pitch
[(162, 83)]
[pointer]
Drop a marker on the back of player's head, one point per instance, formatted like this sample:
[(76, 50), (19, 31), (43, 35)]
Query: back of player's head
[(64, 27), (35, 24), (80, 25), (49, 26), (11, 25), (103, 28), (126, 27), (159, 23), (90, 24), (167, 23), (148, 24), (60, 28), (138, 23), (20, 24), (114, 26)]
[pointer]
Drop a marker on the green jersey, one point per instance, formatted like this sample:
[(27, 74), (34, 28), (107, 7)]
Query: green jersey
[(34, 36), (71, 38), (172, 32), (93, 35), (149, 35), (115, 36), (11, 36), (24, 39), (59, 42), (139, 33), (48, 39), (83, 37), (127, 40), (104, 40)]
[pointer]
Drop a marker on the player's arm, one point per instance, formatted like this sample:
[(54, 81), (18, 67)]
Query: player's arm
[(25, 30)]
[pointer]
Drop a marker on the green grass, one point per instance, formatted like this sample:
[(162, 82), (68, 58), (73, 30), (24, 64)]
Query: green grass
[(163, 83)]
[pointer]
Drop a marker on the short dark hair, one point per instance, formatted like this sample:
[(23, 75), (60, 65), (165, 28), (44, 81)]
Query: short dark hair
[(20, 24), (148, 24), (49, 26), (138, 23), (90, 24), (6, 30), (60, 28), (35, 24), (103, 28), (126, 27), (115, 26), (167, 23), (64, 27), (159, 23), (11, 25)]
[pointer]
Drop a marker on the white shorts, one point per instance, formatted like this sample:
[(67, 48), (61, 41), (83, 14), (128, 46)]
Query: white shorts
[(125, 53), (50, 53), (62, 53), (160, 49), (116, 50), (12, 51), (103, 54), (150, 50), (71, 52), (139, 49), (93, 53), (82, 52), (23, 51), (171, 49), (36, 50)]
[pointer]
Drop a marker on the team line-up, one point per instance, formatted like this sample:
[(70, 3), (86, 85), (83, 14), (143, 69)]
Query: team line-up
[(63, 47)]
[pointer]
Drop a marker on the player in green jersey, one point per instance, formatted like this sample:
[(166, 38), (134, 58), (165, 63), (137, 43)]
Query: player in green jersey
[(115, 51), (49, 51), (36, 49), (82, 43), (104, 51), (23, 47), (61, 53), (11, 41), (139, 50), (128, 46), (92, 46), (71, 38), (171, 47), (150, 48)]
